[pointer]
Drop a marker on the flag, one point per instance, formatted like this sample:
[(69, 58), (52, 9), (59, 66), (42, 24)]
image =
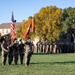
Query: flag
[(27, 32), (31, 25), (12, 27), (13, 35)]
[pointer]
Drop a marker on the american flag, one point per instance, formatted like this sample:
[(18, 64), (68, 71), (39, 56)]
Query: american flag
[(12, 27)]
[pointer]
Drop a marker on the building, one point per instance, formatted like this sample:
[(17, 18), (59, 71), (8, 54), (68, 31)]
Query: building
[(5, 28)]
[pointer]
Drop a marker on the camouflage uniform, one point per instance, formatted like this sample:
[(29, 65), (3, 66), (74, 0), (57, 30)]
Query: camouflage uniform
[(47, 47), (28, 52), (37, 47), (41, 47), (44, 47), (50, 47), (4, 52), (54, 47), (15, 51), (21, 51), (10, 54)]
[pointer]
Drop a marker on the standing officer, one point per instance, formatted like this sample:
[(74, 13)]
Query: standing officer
[(38, 46), (4, 52), (15, 51), (44, 47), (28, 51), (10, 53), (21, 51)]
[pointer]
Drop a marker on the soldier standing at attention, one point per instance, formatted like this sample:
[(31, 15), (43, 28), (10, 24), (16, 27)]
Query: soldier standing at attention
[(28, 51), (10, 53), (38, 46), (15, 51), (4, 52), (21, 51)]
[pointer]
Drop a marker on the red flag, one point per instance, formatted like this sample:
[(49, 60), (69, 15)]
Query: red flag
[(12, 27), (32, 25), (27, 32)]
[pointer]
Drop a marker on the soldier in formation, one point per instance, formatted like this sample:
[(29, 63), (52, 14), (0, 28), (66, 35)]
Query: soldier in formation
[(21, 50), (4, 46), (55, 47), (29, 48)]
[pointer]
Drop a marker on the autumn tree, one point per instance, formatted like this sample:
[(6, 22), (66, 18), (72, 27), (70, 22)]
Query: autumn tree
[(48, 23), (19, 31)]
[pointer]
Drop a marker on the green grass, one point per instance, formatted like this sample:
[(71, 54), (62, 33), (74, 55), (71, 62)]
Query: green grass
[(43, 64)]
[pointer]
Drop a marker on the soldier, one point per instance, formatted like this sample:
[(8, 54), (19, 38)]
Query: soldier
[(38, 46), (51, 48), (28, 51), (10, 54), (41, 46), (10, 50), (44, 47), (54, 47), (4, 52), (15, 51), (47, 46), (21, 51)]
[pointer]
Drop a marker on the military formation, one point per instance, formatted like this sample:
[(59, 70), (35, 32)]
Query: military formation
[(55, 47), (65, 44), (15, 50)]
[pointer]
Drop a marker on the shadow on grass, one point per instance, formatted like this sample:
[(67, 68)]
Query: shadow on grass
[(66, 62), (42, 53), (51, 53)]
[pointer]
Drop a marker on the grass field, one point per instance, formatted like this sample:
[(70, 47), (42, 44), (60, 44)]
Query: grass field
[(43, 64)]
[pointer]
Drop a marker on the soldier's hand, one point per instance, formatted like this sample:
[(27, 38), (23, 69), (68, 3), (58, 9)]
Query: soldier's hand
[(7, 50)]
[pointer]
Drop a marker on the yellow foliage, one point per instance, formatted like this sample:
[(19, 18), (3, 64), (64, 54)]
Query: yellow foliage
[(49, 22)]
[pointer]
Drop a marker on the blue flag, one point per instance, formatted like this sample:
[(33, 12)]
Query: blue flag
[(12, 19)]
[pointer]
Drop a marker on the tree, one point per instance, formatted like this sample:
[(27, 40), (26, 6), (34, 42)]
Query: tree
[(68, 18), (48, 23), (19, 32)]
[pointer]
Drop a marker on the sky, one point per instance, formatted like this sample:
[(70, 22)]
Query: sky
[(22, 9)]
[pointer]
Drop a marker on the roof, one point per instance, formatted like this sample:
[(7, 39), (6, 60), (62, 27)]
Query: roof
[(7, 25)]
